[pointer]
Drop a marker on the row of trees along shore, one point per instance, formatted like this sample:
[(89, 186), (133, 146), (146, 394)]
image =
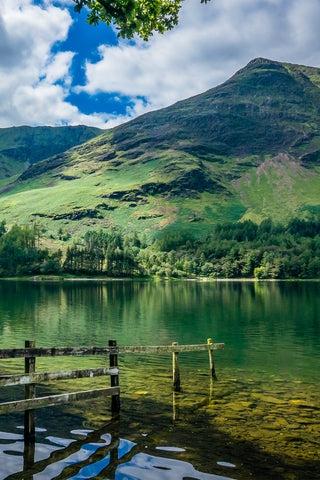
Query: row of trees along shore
[(231, 250)]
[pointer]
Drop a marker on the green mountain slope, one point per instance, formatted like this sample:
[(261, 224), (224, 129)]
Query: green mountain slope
[(249, 148), (22, 146)]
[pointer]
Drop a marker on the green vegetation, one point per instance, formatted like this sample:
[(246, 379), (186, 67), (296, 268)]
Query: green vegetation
[(141, 17), (22, 146), (20, 253), (231, 250), (246, 150), (240, 250), (104, 253)]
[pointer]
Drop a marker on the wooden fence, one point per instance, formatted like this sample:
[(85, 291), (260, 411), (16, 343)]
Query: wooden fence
[(30, 378)]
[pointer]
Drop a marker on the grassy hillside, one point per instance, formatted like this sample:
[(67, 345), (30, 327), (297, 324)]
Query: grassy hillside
[(248, 149), (22, 146)]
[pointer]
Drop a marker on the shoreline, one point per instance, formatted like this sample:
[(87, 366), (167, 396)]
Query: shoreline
[(79, 279)]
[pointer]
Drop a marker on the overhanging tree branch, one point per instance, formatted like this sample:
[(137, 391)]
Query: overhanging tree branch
[(134, 17)]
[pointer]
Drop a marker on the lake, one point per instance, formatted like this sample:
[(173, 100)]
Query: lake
[(259, 420)]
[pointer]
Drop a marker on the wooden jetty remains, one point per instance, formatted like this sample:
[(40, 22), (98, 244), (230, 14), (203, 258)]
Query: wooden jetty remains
[(30, 377)]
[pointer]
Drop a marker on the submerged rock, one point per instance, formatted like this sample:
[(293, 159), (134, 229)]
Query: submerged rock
[(266, 398)]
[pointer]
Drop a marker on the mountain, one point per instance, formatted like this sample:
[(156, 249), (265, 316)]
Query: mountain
[(22, 146), (249, 148)]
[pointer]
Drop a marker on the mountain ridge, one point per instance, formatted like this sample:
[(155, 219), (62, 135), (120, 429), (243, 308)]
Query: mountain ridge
[(23, 145), (190, 165)]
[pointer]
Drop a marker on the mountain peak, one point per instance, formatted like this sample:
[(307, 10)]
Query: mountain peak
[(261, 61), (249, 148), (258, 64), (291, 67)]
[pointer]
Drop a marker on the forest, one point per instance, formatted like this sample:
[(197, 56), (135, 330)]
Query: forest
[(231, 250)]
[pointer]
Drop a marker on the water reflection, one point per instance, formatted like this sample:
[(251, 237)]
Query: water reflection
[(255, 320), (149, 467), (88, 454), (262, 411)]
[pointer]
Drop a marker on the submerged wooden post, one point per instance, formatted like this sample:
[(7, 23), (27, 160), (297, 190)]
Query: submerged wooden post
[(211, 359), (175, 406), (114, 379), (175, 370), (29, 423)]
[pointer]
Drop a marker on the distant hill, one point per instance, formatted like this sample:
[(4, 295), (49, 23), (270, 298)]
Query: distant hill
[(23, 146), (249, 148)]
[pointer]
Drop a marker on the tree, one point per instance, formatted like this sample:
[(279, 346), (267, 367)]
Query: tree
[(20, 253), (2, 228), (141, 17)]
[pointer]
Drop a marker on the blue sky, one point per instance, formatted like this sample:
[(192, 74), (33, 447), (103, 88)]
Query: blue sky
[(55, 69), (85, 40)]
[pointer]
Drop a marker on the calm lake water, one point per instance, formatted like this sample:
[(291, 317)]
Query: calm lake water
[(260, 420)]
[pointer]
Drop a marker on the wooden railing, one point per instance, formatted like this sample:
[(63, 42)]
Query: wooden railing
[(30, 377)]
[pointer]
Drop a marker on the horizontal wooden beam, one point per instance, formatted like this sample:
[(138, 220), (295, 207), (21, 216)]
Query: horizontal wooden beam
[(10, 380), (170, 348), (51, 400), (54, 352), (83, 351)]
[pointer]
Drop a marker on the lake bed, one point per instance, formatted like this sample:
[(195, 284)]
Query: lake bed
[(259, 420)]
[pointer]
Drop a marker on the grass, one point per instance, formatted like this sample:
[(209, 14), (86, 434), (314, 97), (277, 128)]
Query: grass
[(20, 146), (232, 134), (281, 192)]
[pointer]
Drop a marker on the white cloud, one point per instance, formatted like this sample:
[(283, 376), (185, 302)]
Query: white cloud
[(211, 42), (58, 68), (34, 82)]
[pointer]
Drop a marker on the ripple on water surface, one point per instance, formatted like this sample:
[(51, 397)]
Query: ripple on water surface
[(92, 460), (263, 411)]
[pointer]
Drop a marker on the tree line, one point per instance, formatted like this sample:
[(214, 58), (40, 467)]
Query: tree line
[(21, 254), (231, 250), (246, 250)]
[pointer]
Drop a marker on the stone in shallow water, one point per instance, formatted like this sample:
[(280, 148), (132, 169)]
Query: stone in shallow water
[(301, 403), (277, 424), (238, 406), (267, 398), (141, 392)]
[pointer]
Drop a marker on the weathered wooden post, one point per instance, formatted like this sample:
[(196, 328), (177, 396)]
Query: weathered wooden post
[(29, 423), (113, 362), (211, 359), (175, 406), (175, 369)]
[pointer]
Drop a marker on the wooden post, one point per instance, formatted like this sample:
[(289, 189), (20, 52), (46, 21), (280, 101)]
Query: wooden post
[(29, 423), (175, 370), (175, 406), (113, 359), (211, 359)]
